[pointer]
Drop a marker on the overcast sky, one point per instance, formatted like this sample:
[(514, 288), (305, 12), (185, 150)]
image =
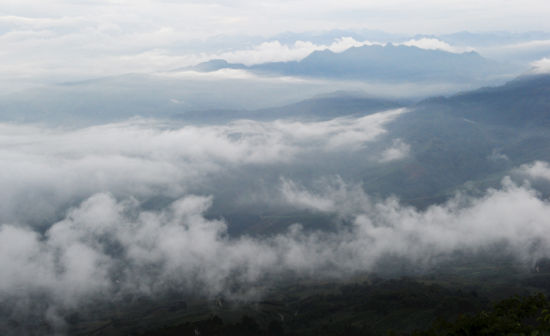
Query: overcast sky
[(190, 19), (98, 37)]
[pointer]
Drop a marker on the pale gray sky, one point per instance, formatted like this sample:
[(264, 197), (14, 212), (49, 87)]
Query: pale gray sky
[(63, 39), (189, 19)]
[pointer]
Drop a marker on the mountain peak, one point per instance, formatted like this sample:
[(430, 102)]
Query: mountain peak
[(377, 62)]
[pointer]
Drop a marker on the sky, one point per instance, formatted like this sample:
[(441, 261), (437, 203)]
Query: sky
[(198, 19), (62, 40)]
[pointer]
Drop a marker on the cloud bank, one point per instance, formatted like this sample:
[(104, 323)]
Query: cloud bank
[(51, 168), (104, 247), (76, 227)]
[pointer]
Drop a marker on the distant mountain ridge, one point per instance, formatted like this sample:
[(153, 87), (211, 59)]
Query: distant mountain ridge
[(376, 62)]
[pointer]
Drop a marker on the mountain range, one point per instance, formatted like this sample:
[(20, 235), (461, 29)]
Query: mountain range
[(378, 62)]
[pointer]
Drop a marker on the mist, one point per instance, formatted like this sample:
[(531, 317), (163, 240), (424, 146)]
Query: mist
[(82, 221), (53, 168), (108, 248)]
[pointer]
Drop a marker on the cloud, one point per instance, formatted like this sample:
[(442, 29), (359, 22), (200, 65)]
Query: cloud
[(110, 248), (435, 44), (536, 170), (523, 52), (272, 51), (514, 215), (39, 23), (541, 66), (77, 222), (497, 156), (398, 150), (52, 168), (275, 51), (68, 40)]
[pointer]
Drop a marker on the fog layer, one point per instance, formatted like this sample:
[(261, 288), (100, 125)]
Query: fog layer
[(75, 227)]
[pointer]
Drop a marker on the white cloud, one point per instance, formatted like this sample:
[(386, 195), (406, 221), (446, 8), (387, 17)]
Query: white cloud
[(344, 43), (329, 195), (497, 156), (73, 260), (513, 215), (45, 166), (398, 150), (541, 66), (272, 51), (87, 186), (434, 44), (275, 51), (536, 170)]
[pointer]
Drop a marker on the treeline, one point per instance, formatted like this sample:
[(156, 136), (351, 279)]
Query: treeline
[(529, 315), (369, 308)]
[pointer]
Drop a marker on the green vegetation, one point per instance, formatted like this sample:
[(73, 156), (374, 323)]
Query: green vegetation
[(468, 298), (528, 315), (514, 316)]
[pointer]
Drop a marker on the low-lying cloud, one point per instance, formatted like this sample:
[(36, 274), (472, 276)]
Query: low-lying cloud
[(108, 247), (51, 168), (397, 151), (75, 228)]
